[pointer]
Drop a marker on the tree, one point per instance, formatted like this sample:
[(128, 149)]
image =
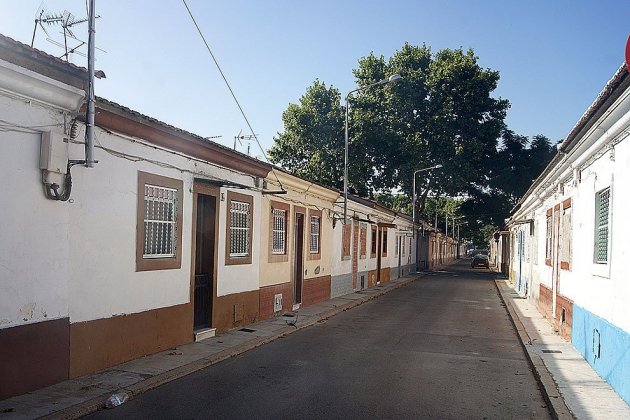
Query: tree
[(440, 112), (518, 162), (312, 144)]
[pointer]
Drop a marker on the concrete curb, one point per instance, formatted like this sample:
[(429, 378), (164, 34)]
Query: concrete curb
[(547, 385), (134, 390)]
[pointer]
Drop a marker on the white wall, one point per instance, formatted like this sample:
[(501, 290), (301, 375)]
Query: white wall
[(245, 277), (602, 289), (34, 267)]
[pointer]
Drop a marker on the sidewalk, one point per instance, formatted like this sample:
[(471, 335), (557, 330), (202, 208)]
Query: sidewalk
[(78, 397), (569, 384)]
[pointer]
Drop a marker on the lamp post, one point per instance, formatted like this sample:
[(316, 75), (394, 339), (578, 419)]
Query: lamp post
[(391, 79), (413, 192)]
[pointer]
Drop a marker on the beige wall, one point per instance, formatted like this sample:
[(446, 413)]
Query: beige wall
[(304, 194)]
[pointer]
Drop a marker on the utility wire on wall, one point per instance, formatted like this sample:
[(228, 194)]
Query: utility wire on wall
[(231, 91)]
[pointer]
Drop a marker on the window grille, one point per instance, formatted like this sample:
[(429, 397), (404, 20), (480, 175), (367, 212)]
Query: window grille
[(398, 238), (602, 210), (279, 231), (239, 229), (384, 244), (160, 236), (314, 234)]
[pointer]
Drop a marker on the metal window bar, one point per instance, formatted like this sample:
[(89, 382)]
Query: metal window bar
[(314, 234), (160, 224), (239, 229), (279, 231)]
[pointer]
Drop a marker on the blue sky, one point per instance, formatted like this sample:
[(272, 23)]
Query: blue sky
[(553, 56)]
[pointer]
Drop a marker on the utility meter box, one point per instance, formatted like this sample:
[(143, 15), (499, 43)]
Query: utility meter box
[(53, 155)]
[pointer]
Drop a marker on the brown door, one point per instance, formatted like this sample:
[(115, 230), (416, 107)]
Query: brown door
[(204, 260), (299, 258)]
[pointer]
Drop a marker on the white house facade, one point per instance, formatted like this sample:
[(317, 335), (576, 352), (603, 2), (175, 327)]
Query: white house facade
[(567, 236)]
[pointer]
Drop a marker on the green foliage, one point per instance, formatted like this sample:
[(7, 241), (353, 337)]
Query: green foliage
[(398, 202), (440, 111), (518, 162), (311, 145)]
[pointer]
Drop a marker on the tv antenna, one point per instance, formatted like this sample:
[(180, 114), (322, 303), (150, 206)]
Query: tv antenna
[(44, 18), (247, 137)]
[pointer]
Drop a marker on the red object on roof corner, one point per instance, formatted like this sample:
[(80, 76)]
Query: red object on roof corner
[(628, 53)]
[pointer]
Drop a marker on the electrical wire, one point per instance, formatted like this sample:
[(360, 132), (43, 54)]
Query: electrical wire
[(230, 89)]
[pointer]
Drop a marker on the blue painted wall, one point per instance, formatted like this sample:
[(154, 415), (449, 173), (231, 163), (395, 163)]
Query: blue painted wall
[(592, 335)]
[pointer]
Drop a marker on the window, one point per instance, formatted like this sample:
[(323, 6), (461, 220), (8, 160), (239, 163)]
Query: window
[(565, 236), (315, 232), (346, 237), (363, 230), (403, 251), (602, 214), (373, 243), (279, 231), (159, 222), (239, 228), (398, 238), (384, 244), (549, 237)]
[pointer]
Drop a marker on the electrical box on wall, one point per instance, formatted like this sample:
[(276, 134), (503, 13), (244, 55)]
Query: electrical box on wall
[(277, 302), (53, 155)]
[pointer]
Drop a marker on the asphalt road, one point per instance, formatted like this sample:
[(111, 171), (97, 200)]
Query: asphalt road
[(441, 347)]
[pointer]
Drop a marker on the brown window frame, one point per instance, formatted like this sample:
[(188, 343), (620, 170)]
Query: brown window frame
[(384, 242), (373, 242), (167, 263), (244, 198), (310, 254), (346, 241), (363, 240), (273, 258)]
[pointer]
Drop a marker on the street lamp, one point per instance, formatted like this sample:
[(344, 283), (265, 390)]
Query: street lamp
[(413, 189), (391, 79)]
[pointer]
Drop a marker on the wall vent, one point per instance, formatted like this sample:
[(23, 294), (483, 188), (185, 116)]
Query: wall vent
[(277, 302)]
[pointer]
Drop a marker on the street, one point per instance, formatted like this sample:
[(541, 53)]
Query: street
[(441, 347)]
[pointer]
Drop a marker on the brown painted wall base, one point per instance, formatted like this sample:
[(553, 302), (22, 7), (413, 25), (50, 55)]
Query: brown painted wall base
[(99, 344), (564, 326), (315, 290), (267, 295), (385, 275), (545, 303), (33, 356), (235, 310)]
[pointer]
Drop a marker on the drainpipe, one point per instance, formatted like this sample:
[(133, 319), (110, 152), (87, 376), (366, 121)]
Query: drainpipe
[(89, 118)]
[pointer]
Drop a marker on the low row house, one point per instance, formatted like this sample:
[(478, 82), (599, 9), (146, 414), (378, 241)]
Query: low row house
[(168, 239), (564, 245)]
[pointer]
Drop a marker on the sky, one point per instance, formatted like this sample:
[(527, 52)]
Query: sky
[(554, 57)]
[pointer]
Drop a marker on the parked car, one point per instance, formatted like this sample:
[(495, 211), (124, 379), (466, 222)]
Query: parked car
[(480, 260)]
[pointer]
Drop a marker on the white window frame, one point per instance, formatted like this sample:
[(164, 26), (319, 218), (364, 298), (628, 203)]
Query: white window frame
[(603, 227)]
